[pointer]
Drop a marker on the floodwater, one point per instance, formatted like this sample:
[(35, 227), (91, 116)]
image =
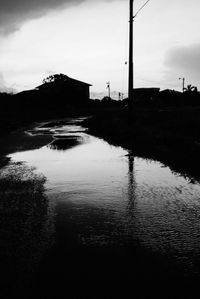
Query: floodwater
[(106, 202)]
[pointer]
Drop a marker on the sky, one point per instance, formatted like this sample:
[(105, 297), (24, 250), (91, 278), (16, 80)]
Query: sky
[(88, 40)]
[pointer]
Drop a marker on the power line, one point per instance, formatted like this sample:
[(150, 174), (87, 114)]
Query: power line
[(141, 8)]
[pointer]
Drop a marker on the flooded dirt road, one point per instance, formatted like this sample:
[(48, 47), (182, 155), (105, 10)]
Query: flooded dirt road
[(104, 214)]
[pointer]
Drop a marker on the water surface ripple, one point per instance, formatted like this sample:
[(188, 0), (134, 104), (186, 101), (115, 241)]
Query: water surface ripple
[(108, 198)]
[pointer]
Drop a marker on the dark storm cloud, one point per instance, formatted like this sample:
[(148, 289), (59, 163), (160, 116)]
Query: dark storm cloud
[(13, 13), (186, 58)]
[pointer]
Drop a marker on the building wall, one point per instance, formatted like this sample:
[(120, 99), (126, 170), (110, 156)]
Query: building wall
[(71, 92)]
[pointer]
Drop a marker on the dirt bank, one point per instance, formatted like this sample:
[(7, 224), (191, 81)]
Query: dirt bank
[(169, 136)]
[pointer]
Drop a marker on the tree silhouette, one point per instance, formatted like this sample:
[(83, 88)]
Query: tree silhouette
[(190, 89), (55, 78)]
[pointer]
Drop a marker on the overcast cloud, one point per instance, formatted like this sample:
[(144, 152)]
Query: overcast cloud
[(184, 58), (4, 87), (185, 61), (69, 36)]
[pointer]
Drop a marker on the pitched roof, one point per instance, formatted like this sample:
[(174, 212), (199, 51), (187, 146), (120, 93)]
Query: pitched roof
[(68, 80), (81, 82)]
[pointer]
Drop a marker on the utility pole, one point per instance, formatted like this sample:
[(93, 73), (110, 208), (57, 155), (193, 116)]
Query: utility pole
[(183, 88), (130, 79), (108, 86)]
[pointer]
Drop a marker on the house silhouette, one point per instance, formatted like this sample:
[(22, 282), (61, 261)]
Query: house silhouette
[(62, 88), (58, 93)]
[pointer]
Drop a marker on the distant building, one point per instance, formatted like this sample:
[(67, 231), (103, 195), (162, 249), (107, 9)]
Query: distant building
[(170, 97), (145, 94), (66, 89), (168, 92)]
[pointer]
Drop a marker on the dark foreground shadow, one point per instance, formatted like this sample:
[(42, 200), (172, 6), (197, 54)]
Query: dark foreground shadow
[(26, 227)]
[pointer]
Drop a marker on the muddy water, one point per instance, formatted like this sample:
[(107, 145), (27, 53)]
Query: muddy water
[(104, 198)]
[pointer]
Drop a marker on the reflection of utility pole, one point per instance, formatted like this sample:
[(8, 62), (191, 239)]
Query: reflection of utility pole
[(131, 180), (108, 87), (183, 86)]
